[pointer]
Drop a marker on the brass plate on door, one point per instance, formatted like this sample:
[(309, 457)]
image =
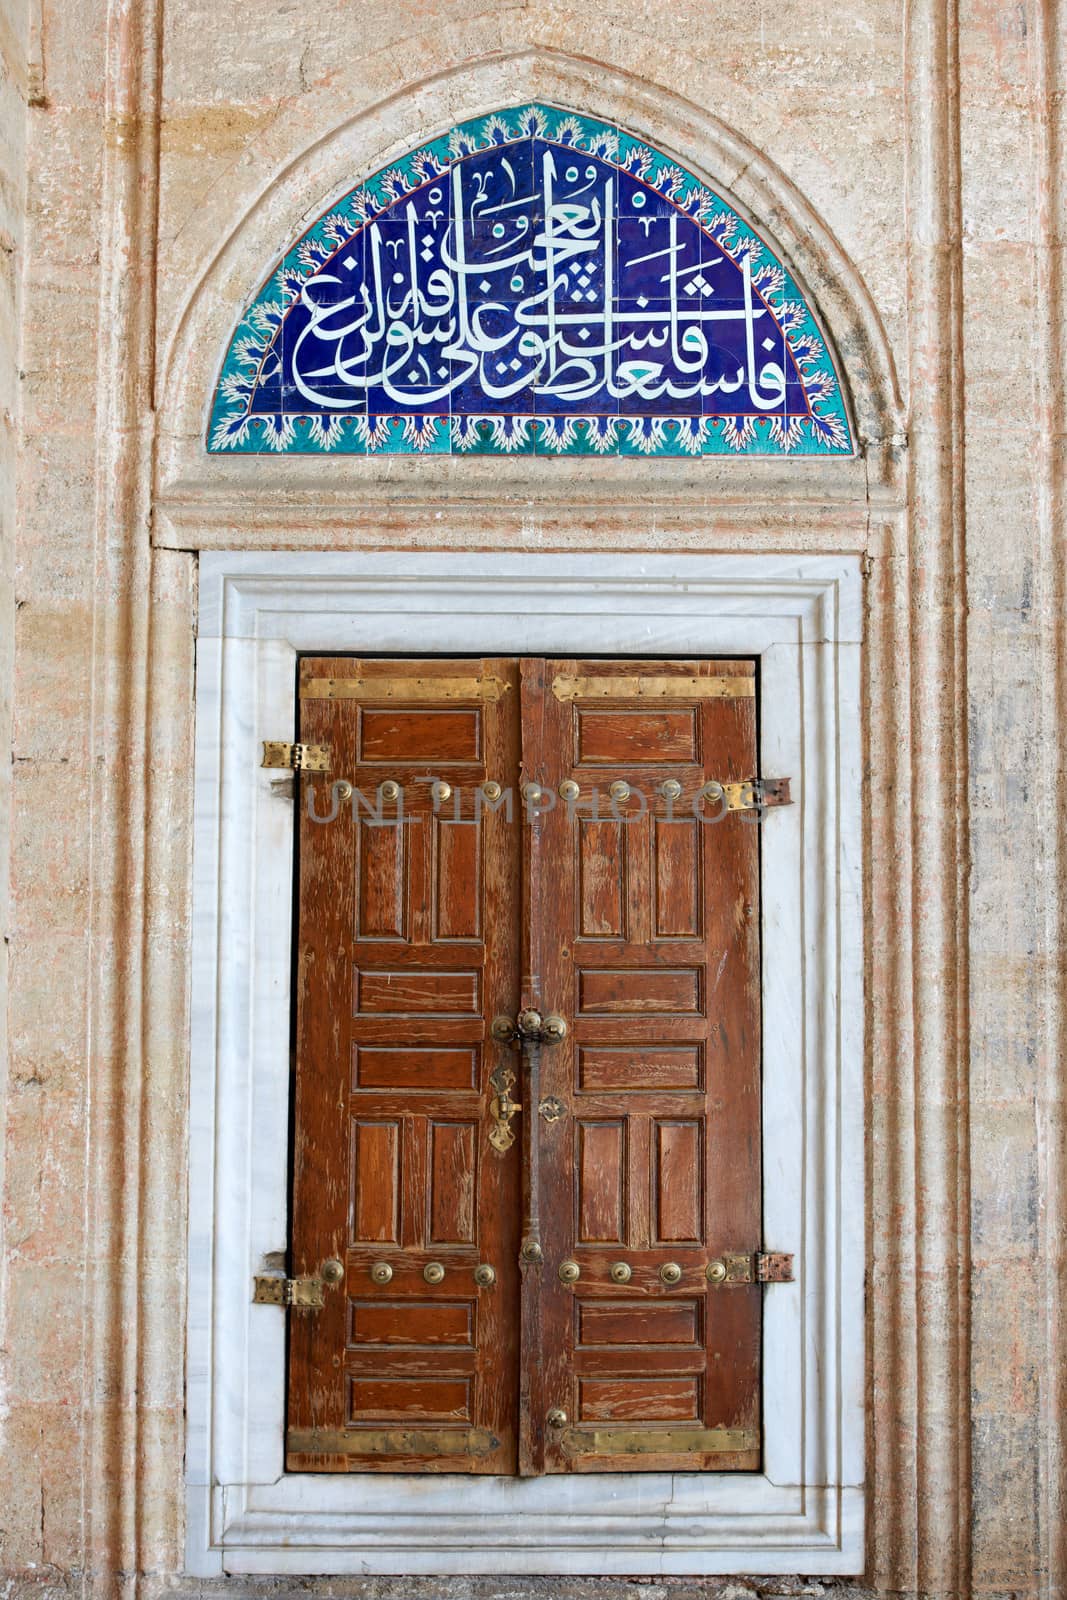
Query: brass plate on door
[(390, 1441), (642, 688), (409, 690), (657, 1441)]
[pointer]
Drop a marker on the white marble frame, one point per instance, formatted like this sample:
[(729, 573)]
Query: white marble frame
[(802, 616)]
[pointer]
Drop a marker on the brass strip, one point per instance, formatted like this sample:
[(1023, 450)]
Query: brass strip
[(637, 688), (657, 1441), (391, 1441), (413, 691)]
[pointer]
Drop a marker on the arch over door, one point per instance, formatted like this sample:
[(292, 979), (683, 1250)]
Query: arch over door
[(535, 281)]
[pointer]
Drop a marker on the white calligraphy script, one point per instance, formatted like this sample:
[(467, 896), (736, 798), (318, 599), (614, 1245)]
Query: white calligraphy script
[(420, 342)]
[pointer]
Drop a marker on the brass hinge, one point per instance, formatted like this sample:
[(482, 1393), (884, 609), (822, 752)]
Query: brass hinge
[(301, 757), (760, 1266), (755, 794), (304, 1293)]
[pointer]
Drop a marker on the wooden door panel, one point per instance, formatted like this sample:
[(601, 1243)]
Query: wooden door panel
[(649, 946), (411, 1364)]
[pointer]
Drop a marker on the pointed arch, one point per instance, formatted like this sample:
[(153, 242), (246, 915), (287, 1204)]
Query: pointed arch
[(534, 280)]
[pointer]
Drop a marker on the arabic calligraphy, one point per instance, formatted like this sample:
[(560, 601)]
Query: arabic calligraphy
[(531, 282)]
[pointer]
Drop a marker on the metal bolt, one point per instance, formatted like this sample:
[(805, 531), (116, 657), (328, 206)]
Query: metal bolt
[(433, 1272), (715, 1271), (484, 1276), (492, 790), (382, 1272), (556, 1418), (332, 1271), (343, 789), (531, 1251), (670, 1272), (670, 789), (619, 790), (569, 790), (713, 791), (440, 790), (389, 790), (620, 1272), (569, 1272), (531, 793)]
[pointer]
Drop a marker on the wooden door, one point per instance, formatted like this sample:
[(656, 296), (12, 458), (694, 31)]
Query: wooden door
[(408, 932), (645, 933), (599, 1344)]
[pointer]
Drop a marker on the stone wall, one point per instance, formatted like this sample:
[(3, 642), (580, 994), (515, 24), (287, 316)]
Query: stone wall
[(920, 152)]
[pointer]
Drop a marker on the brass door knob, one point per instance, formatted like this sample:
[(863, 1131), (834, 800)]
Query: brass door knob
[(670, 1272), (557, 1417)]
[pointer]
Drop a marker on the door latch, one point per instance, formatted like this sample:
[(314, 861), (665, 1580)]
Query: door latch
[(502, 1108)]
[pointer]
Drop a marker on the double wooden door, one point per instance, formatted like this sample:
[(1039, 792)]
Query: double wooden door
[(526, 1173)]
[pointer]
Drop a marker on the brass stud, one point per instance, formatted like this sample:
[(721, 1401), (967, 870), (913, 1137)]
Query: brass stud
[(557, 1417), (670, 1272), (670, 789), (569, 1272), (433, 1272), (502, 1029), (389, 790), (441, 791), (619, 790), (531, 793), (484, 1275), (620, 1272), (343, 789), (569, 790), (332, 1271), (715, 1271), (531, 1251), (554, 1028), (382, 1272), (713, 791), (492, 790)]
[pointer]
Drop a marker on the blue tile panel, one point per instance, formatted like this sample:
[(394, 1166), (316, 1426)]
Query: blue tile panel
[(536, 281)]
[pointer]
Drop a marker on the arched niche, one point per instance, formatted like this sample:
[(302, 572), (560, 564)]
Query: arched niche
[(691, 157)]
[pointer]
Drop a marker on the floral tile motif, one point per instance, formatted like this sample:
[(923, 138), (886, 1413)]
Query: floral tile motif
[(535, 282)]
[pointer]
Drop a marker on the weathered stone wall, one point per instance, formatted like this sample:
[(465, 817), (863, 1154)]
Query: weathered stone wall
[(928, 144)]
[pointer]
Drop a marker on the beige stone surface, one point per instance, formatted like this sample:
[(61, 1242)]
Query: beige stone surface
[(153, 162)]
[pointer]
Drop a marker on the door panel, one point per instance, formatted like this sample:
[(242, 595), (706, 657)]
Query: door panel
[(637, 1146), (648, 944), (393, 1170)]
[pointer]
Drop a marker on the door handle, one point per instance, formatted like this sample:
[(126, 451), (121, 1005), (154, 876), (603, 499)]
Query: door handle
[(529, 1027)]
